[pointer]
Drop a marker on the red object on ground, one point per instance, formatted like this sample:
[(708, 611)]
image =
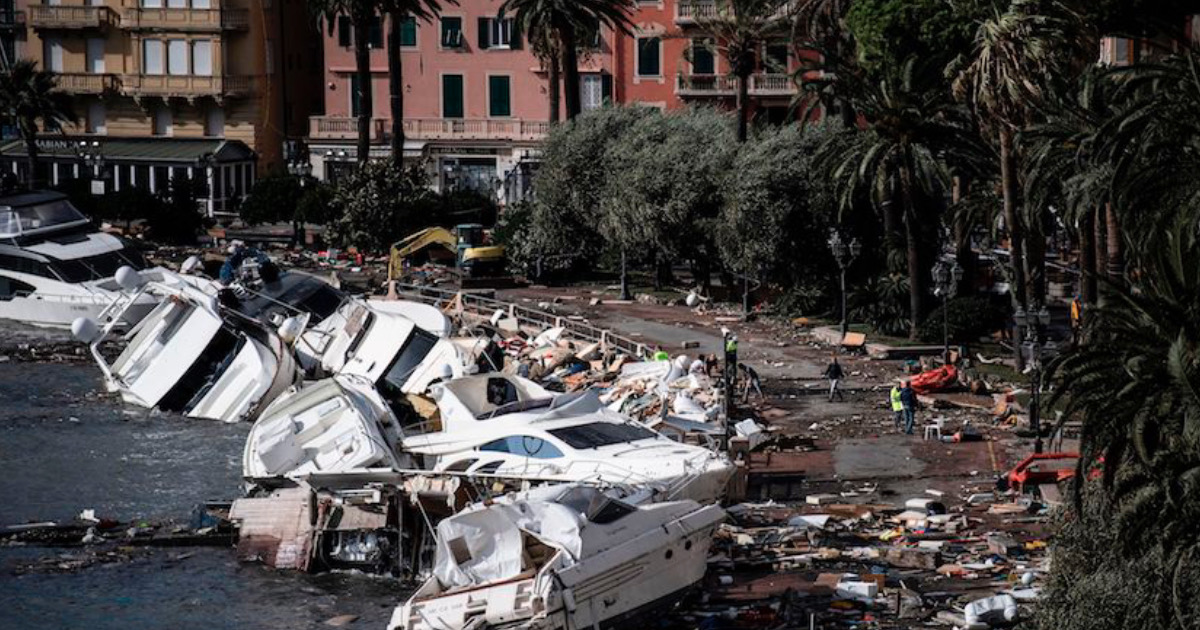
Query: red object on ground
[(1040, 468), (937, 380)]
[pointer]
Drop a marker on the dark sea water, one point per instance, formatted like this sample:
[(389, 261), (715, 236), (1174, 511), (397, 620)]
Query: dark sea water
[(66, 446)]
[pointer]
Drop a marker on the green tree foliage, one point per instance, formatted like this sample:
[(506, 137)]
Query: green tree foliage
[(380, 203), (30, 97), (283, 198), (889, 32)]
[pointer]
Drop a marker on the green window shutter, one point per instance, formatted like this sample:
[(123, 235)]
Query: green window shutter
[(376, 32), (451, 32), (515, 39), (647, 57), (452, 96), (354, 95), (485, 32), (606, 92), (702, 58), (408, 32), (345, 40), (499, 97)]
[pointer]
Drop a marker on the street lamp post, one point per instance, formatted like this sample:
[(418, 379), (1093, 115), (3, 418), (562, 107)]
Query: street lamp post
[(945, 282), (844, 254), (92, 156), (1033, 326)]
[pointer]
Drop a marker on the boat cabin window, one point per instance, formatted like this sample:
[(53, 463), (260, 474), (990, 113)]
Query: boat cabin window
[(20, 264), (489, 467), (500, 392), (415, 349), (597, 434), (594, 505), (609, 510), (461, 465), (524, 445), (10, 288), (15, 221), (98, 267)]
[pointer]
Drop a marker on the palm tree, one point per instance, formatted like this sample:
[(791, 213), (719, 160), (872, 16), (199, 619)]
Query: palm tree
[(1015, 52), (397, 11), (739, 29), (567, 19), (362, 13), (819, 23), (29, 96), (900, 159)]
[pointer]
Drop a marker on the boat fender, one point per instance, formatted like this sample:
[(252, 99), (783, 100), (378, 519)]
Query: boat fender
[(85, 329), (129, 278), (191, 264), (292, 328)]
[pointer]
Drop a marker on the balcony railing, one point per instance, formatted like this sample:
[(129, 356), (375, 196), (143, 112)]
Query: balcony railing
[(171, 19), (691, 11), (63, 17), (346, 128), (185, 85), (772, 85), (705, 85), (81, 83)]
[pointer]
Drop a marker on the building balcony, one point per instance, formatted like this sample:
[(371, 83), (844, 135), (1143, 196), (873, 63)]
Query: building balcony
[(692, 11), (705, 85), (73, 17), (185, 85), (87, 83), (761, 84), (510, 130), (10, 19), (185, 20)]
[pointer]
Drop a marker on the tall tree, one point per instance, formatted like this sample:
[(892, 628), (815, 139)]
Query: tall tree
[(362, 15), (29, 96), (1003, 79), (739, 29), (398, 12), (568, 19)]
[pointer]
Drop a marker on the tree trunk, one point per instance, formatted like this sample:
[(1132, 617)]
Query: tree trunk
[(1035, 266), (396, 85), (31, 157), (1087, 259), (962, 240), (743, 106), (570, 70), (916, 286), (624, 277), (362, 65), (1116, 257), (893, 232), (1008, 177), (555, 87)]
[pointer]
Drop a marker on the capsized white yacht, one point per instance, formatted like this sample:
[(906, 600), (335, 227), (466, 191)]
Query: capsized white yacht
[(55, 266), (506, 426), (560, 557), (190, 355)]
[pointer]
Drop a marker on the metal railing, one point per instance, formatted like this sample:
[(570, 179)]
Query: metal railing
[(484, 307)]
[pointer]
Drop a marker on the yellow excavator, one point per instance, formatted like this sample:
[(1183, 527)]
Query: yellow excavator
[(463, 247)]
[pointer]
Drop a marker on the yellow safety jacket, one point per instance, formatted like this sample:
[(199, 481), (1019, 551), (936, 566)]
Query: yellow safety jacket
[(896, 404), (661, 355)]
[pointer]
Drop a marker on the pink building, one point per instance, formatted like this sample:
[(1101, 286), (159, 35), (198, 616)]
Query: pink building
[(476, 100)]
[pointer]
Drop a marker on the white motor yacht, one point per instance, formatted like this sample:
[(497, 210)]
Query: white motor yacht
[(190, 355), (507, 426), (560, 557), (55, 266)]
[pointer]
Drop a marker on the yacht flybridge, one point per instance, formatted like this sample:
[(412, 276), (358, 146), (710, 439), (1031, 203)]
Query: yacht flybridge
[(560, 557), (189, 355), (55, 266)]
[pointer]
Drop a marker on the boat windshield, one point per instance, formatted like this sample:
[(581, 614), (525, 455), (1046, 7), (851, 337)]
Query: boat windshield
[(526, 405), (415, 349), (597, 434), (15, 221), (204, 372), (98, 267)]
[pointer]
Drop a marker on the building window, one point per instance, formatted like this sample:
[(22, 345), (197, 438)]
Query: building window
[(354, 95), (408, 32), (775, 56), (703, 61), (589, 35), (201, 4), (649, 52), (214, 122), (375, 33), (202, 57), (499, 96), (452, 96), (152, 4), (592, 90), (96, 119), (451, 32), (152, 56), (177, 4), (162, 121), (95, 55), (344, 29), (177, 57), (495, 32), (54, 54)]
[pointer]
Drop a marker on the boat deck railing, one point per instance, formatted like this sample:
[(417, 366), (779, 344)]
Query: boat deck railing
[(484, 307)]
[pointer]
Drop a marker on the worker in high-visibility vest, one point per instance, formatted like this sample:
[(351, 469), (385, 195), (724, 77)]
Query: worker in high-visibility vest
[(897, 407), (1076, 318)]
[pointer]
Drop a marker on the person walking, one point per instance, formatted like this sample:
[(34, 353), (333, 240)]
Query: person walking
[(752, 382), (897, 407), (834, 373), (908, 400)]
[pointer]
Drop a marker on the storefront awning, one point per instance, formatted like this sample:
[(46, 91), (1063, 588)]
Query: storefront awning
[(179, 151)]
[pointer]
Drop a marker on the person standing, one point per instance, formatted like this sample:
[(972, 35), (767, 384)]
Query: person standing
[(897, 407), (908, 400), (1076, 318), (834, 373)]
